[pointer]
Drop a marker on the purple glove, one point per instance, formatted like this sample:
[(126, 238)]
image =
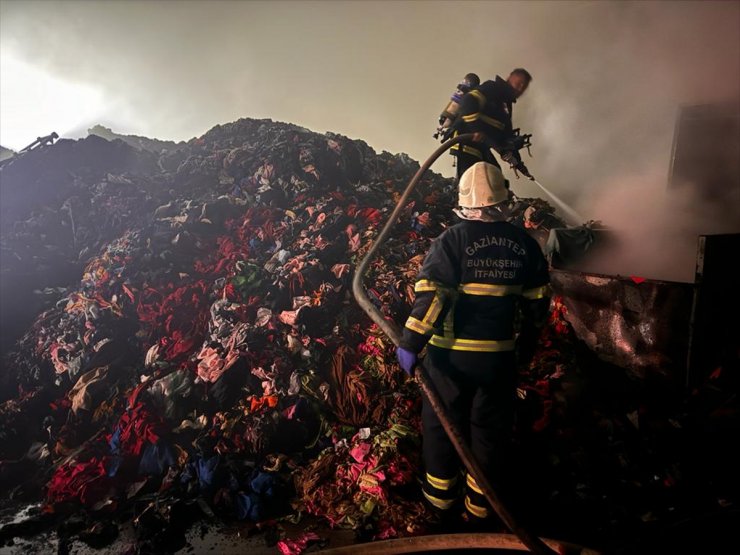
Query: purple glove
[(406, 359)]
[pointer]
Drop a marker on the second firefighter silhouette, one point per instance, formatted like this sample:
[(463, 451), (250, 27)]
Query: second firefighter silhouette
[(487, 110), (475, 278)]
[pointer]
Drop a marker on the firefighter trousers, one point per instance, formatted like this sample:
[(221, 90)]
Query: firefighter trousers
[(478, 392)]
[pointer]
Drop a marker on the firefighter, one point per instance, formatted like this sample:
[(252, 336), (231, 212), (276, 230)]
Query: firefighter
[(487, 110), (474, 279)]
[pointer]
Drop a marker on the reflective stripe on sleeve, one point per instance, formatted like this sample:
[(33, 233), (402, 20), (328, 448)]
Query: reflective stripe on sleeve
[(418, 326), (537, 292), (434, 309), (425, 285), (478, 345)]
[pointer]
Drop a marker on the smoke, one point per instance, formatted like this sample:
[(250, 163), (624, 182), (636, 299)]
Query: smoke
[(656, 229), (609, 77)]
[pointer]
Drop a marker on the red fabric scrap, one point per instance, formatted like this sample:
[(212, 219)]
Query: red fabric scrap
[(372, 216), (85, 482), (257, 403), (138, 428)]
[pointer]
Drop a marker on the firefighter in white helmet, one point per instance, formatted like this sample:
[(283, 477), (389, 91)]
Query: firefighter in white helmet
[(475, 277)]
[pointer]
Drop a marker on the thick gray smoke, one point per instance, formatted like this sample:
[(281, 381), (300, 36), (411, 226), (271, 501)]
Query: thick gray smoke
[(608, 76), (656, 229)]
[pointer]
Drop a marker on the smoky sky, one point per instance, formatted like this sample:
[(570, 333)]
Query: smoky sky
[(609, 77)]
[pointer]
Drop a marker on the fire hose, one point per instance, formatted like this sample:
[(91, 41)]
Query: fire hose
[(527, 538)]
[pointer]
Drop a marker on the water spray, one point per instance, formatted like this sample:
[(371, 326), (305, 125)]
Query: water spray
[(574, 217)]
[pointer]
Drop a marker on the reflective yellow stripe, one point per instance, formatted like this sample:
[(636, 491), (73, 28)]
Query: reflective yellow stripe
[(434, 309), (439, 503), (490, 121), (470, 150), (479, 345), (440, 483), (480, 97), (537, 292), (490, 289), (472, 484), (449, 322), (418, 326), (467, 150), (448, 325), (485, 119), (425, 285), (480, 512)]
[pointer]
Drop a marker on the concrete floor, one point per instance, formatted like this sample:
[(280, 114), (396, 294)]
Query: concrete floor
[(200, 538)]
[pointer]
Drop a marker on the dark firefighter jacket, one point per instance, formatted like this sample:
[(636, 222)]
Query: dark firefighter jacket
[(487, 109), (472, 280)]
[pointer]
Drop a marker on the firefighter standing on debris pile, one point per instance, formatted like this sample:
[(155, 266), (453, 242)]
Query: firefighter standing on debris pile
[(487, 110), (475, 277)]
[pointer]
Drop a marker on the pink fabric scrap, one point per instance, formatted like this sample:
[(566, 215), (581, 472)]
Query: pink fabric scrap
[(386, 532), (297, 545), (360, 452)]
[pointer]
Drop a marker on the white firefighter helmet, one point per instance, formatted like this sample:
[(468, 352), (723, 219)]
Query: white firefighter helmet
[(482, 185)]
